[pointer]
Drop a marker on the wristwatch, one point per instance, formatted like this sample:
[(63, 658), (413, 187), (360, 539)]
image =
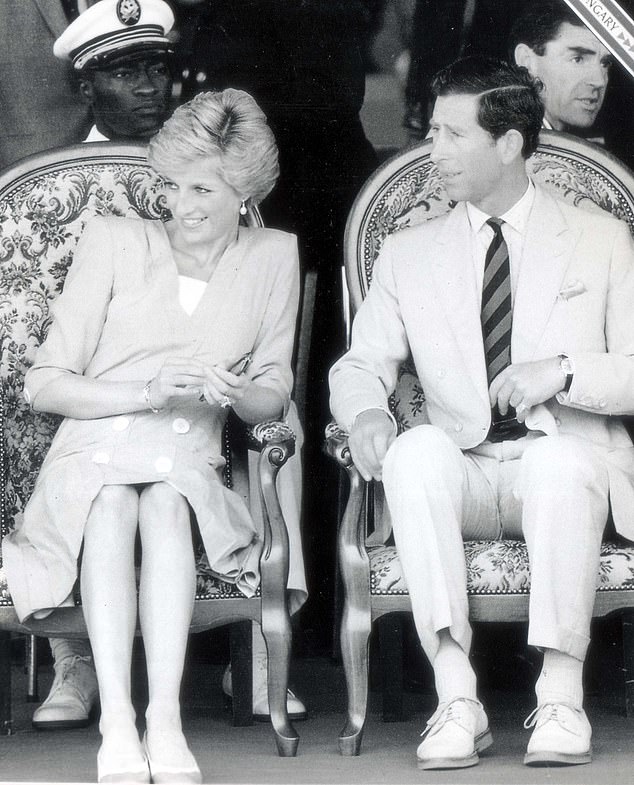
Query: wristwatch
[(565, 366)]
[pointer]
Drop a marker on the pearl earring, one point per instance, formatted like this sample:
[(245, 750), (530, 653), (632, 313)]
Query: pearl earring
[(243, 207)]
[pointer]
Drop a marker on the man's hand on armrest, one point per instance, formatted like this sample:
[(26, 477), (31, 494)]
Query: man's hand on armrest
[(372, 433)]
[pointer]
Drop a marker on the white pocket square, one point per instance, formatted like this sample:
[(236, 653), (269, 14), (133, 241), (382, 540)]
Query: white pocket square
[(572, 289)]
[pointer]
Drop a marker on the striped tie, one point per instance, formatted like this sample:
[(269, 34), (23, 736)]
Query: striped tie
[(496, 303), (496, 328)]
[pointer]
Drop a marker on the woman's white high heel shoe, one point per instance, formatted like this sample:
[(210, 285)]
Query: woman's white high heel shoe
[(185, 771), (113, 768), (121, 757)]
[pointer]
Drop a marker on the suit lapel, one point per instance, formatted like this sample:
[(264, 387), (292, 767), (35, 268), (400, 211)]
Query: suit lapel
[(53, 14), (454, 278), (548, 247)]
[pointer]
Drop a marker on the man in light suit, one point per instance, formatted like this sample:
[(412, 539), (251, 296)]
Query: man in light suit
[(520, 442)]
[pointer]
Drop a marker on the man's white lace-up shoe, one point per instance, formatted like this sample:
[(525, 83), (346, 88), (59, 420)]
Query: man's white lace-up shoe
[(561, 737), (294, 706), (454, 735), (73, 695)]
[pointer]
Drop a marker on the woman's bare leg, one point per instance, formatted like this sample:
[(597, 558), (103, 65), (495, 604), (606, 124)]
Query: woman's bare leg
[(166, 601), (109, 599)]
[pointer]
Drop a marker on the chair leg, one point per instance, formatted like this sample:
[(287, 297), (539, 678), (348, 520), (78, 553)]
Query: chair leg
[(241, 673), (390, 630), (355, 640), (32, 692), (276, 625), (278, 646), (628, 660), (6, 720), (356, 620)]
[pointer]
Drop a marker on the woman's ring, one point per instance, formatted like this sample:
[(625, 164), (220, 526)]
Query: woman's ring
[(226, 402)]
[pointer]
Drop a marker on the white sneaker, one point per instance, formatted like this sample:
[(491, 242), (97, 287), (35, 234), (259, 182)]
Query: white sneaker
[(294, 706), (73, 695), (454, 735), (562, 736)]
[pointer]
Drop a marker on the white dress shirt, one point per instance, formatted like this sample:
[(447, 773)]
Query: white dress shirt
[(190, 292), (94, 135), (513, 230)]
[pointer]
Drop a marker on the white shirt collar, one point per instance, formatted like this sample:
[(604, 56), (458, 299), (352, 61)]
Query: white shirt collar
[(516, 217), (96, 136)]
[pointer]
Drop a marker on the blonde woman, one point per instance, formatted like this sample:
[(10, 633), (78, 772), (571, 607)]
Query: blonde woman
[(142, 360)]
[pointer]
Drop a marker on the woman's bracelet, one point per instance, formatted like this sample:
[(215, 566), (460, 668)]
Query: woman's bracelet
[(146, 395)]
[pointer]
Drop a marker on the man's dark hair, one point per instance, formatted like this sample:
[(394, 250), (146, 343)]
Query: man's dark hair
[(539, 23), (509, 96)]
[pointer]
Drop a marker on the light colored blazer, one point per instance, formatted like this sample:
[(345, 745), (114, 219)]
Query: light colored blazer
[(575, 296), (41, 105)]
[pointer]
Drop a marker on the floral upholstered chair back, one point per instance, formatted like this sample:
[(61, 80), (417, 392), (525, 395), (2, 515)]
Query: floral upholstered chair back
[(45, 202), (407, 190)]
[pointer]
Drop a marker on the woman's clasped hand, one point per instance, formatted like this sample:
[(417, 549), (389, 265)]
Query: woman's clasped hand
[(182, 378)]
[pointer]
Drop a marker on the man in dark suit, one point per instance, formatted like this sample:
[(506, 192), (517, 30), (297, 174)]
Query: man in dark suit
[(573, 66), (585, 92), (40, 101)]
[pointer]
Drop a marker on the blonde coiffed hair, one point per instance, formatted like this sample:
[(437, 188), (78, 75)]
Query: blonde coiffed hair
[(227, 125)]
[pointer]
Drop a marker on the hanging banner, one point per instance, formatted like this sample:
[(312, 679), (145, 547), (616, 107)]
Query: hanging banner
[(611, 25)]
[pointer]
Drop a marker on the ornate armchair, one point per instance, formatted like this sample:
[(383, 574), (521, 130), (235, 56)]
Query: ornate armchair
[(45, 201), (405, 191)]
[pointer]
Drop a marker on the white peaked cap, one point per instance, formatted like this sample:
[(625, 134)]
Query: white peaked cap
[(111, 28)]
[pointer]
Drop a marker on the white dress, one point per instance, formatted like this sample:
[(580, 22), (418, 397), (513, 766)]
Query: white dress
[(118, 318)]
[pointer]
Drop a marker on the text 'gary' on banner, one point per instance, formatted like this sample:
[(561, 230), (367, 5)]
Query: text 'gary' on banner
[(611, 25)]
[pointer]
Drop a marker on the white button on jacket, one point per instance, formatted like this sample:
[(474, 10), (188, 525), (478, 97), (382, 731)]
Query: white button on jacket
[(163, 464), (120, 423), (180, 425)]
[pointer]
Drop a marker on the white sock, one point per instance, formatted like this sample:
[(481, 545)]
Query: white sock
[(453, 673), (260, 660), (561, 679), (69, 647)]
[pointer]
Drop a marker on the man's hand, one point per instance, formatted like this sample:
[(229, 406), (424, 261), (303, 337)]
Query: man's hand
[(369, 440), (523, 385)]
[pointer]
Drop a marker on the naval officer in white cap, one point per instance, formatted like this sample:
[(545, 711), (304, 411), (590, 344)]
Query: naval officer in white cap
[(120, 49)]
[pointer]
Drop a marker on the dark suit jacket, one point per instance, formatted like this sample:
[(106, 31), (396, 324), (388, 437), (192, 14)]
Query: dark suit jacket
[(41, 107)]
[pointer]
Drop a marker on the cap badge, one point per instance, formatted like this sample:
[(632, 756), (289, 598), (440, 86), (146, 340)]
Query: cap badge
[(128, 12)]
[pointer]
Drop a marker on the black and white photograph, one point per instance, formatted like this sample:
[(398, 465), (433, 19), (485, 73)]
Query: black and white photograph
[(317, 392)]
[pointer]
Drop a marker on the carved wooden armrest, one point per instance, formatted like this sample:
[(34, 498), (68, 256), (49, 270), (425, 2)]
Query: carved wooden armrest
[(337, 445), (352, 526), (272, 434), (275, 442)]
